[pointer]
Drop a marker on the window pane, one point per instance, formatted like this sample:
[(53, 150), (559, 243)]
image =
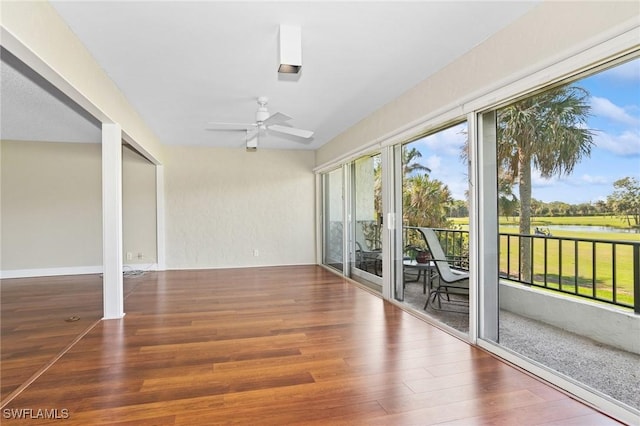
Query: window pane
[(434, 197), (333, 228), (569, 201)]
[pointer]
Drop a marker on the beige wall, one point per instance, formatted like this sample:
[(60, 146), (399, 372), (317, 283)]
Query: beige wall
[(51, 209), (222, 204), (537, 39), (138, 209), (51, 205)]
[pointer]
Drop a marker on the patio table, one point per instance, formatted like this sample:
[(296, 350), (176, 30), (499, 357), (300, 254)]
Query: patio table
[(424, 269)]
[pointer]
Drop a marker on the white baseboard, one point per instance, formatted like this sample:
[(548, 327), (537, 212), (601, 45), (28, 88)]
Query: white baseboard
[(200, 267), (50, 272), (140, 267), (71, 270)]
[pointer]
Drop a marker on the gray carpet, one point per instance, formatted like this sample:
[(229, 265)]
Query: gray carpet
[(608, 370)]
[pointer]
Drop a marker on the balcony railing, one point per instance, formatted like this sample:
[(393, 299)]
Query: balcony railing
[(603, 270)]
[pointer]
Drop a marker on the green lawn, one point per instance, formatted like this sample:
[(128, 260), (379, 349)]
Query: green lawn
[(566, 253), (556, 254), (611, 221)]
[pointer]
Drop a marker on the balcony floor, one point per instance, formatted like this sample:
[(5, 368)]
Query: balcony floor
[(611, 371)]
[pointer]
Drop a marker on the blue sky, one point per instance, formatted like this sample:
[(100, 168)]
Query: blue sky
[(615, 120)]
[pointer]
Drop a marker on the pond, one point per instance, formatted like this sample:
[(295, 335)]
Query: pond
[(582, 228), (589, 228)]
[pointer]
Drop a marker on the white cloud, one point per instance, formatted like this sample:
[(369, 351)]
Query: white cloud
[(458, 189), (570, 189), (538, 181), (605, 108), (433, 162), (589, 179), (626, 143), (585, 180), (626, 71), (574, 189), (447, 142)]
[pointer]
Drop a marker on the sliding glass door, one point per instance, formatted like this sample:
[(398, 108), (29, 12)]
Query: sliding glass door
[(366, 221), (333, 224), (435, 227), (559, 275)]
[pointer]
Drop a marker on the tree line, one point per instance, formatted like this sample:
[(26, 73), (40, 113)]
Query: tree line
[(624, 201)]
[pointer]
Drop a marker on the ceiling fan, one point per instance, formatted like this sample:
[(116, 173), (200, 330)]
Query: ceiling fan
[(264, 122)]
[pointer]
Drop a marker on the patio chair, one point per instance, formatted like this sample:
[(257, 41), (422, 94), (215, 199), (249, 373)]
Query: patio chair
[(368, 250), (450, 282)]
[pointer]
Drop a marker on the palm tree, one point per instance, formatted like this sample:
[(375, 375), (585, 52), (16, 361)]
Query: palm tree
[(425, 202), (507, 201), (410, 163), (547, 131)]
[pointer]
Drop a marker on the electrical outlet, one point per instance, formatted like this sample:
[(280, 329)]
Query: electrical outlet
[(129, 255), (256, 253), (140, 256)]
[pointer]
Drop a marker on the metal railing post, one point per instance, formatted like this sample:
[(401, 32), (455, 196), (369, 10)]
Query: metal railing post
[(636, 278)]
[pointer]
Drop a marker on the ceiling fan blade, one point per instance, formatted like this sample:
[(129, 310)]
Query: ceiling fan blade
[(230, 126), (291, 131), (278, 117)]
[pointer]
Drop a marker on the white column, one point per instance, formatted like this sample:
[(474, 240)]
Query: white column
[(348, 244), (112, 282), (396, 207), (475, 263), (389, 231), (160, 221), (486, 209)]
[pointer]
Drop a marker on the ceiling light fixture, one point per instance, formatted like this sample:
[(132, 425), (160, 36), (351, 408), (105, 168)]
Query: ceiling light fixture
[(290, 49), (252, 142)]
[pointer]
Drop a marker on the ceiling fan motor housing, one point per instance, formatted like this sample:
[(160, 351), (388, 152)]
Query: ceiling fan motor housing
[(262, 113)]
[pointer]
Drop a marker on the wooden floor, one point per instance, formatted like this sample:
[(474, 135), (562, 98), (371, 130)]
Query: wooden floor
[(285, 345), (38, 320)]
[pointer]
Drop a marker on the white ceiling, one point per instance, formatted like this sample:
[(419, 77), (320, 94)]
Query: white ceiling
[(32, 109), (183, 64)]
